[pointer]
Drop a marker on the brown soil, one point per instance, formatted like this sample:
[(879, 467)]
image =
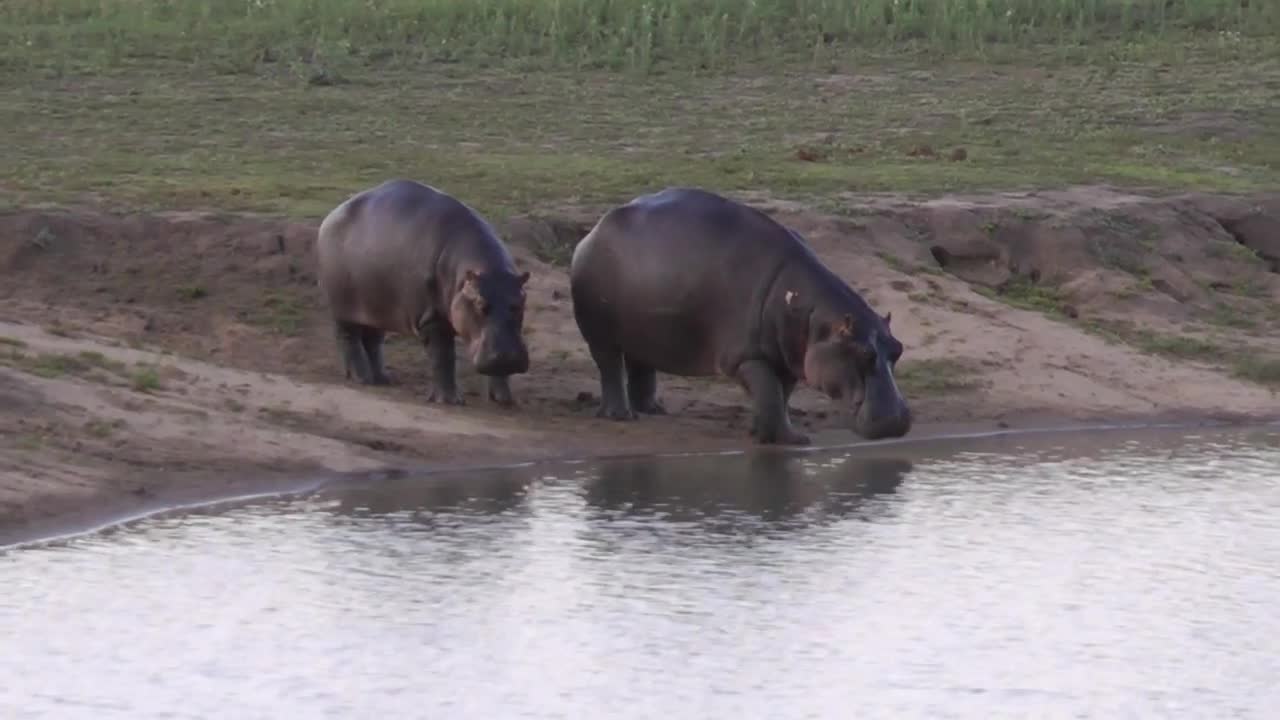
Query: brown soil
[(150, 359)]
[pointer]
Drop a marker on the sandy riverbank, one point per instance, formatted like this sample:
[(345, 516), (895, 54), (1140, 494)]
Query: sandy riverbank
[(166, 358)]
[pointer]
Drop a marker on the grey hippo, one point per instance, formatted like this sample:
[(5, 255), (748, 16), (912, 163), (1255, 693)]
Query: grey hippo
[(690, 283), (405, 257)]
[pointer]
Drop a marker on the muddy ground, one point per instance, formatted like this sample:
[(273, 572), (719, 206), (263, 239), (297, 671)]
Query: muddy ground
[(157, 358)]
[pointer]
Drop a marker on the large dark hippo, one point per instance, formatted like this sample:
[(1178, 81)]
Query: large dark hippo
[(405, 257), (691, 283)]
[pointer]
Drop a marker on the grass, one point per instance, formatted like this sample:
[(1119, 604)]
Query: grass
[(191, 293), (145, 380), (1258, 369), (637, 34), (289, 106), (282, 314), (936, 376), (1022, 293), (1242, 362)]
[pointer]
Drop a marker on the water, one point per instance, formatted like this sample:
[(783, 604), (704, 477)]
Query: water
[(1052, 576)]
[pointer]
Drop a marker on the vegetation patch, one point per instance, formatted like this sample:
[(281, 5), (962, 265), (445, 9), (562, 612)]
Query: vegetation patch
[(281, 313), (1242, 361), (936, 376), (237, 105), (1020, 292), (1262, 369), (192, 292), (145, 379), (103, 428), (12, 342)]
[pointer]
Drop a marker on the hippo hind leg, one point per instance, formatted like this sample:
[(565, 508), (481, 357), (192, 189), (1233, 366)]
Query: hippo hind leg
[(372, 339), (642, 386), (355, 358), (613, 389)]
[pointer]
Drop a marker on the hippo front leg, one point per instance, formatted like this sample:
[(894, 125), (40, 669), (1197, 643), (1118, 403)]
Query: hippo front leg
[(771, 423), (444, 378), (500, 390)]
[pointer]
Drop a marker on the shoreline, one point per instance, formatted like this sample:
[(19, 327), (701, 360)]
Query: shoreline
[(71, 526), (151, 359)]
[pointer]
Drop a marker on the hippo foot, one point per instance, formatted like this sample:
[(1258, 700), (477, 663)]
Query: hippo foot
[(502, 398), (652, 407), (380, 379), (446, 397), (782, 437), (615, 413)]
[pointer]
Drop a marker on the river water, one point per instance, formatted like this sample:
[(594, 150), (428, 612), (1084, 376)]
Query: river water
[(1071, 575)]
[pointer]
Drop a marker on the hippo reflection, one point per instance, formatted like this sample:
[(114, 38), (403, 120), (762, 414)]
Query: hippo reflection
[(487, 492), (766, 486)]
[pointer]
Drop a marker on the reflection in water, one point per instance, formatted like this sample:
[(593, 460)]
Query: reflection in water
[(1009, 577), (765, 485), (500, 490)]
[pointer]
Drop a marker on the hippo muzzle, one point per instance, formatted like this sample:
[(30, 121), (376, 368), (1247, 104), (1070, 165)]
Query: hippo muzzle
[(501, 353), (883, 412)]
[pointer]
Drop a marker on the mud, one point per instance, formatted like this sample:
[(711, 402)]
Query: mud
[(148, 358)]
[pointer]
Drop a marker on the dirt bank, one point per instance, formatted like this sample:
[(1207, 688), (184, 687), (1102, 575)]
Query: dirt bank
[(175, 355)]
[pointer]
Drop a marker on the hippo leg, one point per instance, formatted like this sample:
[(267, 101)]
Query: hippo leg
[(613, 389), (788, 387), (771, 424), (354, 357), (372, 339), (642, 387), (500, 390), (444, 380)]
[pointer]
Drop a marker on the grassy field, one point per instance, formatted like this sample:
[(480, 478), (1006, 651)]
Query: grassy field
[(289, 105)]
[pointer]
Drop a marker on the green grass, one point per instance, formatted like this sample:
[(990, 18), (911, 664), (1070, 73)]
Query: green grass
[(1259, 369), (932, 377), (145, 379), (288, 106), (240, 35), (1243, 362), (282, 313)]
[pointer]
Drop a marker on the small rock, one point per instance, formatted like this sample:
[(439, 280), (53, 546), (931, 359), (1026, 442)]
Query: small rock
[(585, 397), (959, 155), (922, 151), (557, 295), (1071, 311)]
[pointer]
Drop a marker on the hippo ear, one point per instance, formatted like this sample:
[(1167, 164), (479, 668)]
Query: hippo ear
[(524, 277), (470, 276), (845, 329), (888, 317)]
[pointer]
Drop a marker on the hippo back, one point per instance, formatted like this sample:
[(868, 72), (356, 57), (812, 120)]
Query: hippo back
[(680, 275), (379, 250)]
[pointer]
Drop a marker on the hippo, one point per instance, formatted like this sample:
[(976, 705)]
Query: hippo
[(405, 257), (690, 283)]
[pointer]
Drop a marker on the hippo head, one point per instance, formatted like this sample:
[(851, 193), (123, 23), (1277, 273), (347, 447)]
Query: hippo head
[(488, 313), (850, 361)]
